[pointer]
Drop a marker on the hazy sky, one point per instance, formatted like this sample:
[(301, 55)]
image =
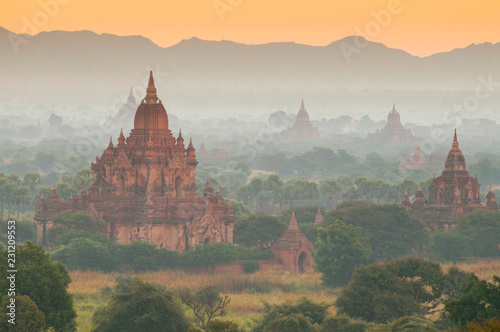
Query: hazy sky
[(421, 27)]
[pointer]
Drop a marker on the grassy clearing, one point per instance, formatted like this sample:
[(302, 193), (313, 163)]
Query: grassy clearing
[(247, 291)]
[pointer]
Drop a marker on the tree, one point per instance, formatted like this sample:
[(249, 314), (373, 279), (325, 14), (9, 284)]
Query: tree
[(27, 316), (217, 325), (481, 227), (45, 282), (206, 304), (339, 249), (392, 232), (383, 292), (20, 197), (210, 255), (64, 190), (491, 325), (141, 306), (86, 254), (329, 189), (412, 323), (82, 179), (32, 180), (449, 245), (344, 324), (314, 312), (479, 301), (144, 256), (290, 323), (69, 225), (45, 160), (258, 231)]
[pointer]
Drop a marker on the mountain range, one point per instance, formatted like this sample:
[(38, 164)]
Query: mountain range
[(86, 57), (59, 63)]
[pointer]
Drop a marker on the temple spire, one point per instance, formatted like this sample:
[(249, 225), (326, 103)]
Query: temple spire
[(319, 217), (151, 97), (121, 139), (110, 145), (190, 150), (394, 107), (131, 97), (455, 141), (293, 222), (302, 106)]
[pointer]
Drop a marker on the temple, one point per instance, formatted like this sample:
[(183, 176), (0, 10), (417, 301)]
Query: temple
[(144, 189), (319, 217), (125, 116), (302, 129), (451, 195), (294, 250), (393, 132), (203, 151), (417, 161)]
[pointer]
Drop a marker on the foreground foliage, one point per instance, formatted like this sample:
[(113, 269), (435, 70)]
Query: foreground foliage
[(299, 316), (206, 304), (44, 281), (140, 306), (339, 249), (479, 301), (383, 292)]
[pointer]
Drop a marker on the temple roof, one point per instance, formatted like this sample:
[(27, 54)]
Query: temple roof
[(302, 115), (455, 161), (293, 239), (151, 115)]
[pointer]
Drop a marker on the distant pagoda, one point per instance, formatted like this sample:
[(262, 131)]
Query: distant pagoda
[(393, 132), (125, 115), (302, 129)]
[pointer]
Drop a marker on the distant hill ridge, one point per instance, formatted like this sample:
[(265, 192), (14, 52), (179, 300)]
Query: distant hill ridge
[(86, 60)]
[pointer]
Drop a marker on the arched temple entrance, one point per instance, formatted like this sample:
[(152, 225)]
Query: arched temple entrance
[(303, 263)]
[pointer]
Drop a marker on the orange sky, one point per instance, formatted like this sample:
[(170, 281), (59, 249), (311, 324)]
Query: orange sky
[(421, 27)]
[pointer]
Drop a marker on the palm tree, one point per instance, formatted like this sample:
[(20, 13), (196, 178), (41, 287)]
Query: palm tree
[(21, 197), (32, 180)]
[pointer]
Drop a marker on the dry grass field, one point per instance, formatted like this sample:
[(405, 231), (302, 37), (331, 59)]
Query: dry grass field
[(247, 291)]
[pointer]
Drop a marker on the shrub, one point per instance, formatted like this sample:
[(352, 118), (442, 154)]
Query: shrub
[(251, 267)]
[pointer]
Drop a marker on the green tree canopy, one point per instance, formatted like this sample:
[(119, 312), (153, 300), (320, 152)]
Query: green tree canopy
[(45, 282), (339, 249), (449, 245), (383, 292), (481, 227), (142, 307), (27, 316), (210, 255), (479, 301), (274, 315), (392, 232), (258, 231)]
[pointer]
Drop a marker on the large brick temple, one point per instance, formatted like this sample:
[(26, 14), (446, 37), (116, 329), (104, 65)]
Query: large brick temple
[(144, 189), (452, 194)]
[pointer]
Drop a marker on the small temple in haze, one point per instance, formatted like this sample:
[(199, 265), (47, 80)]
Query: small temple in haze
[(302, 129), (125, 115), (452, 194), (143, 188), (418, 161), (393, 132)]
